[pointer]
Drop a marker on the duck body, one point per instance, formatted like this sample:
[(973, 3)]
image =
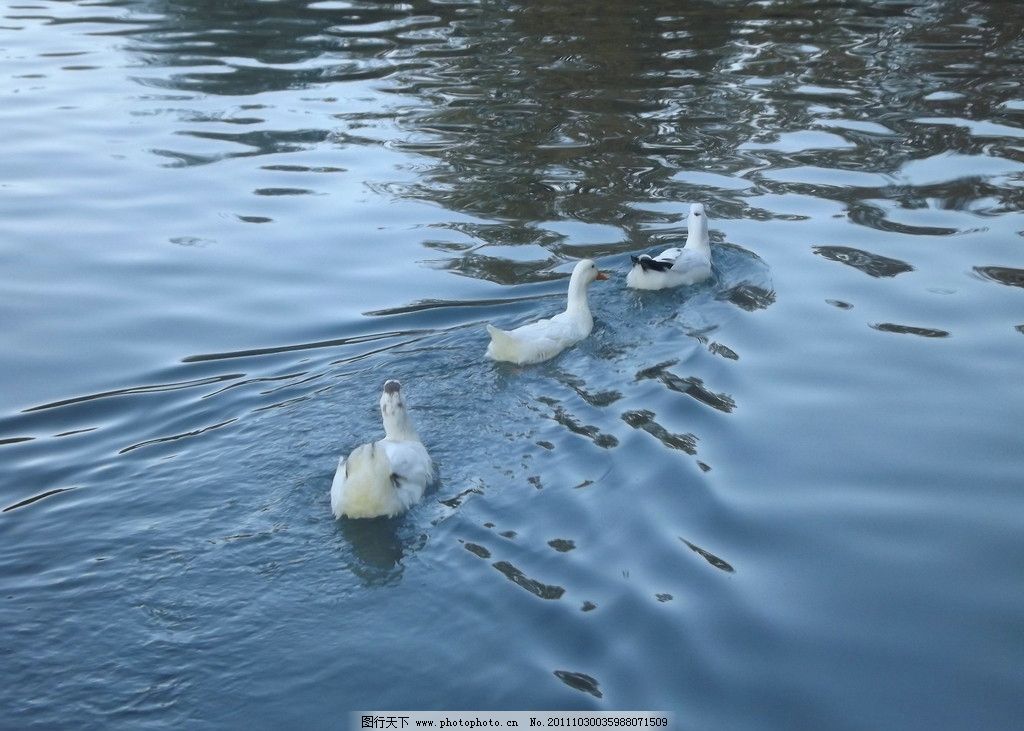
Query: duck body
[(544, 339), (386, 477), (677, 266)]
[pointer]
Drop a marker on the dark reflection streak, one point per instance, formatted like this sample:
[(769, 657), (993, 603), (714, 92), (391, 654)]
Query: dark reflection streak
[(580, 681), (874, 217), (925, 332), (749, 297), (266, 141), (709, 557), (250, 381), (371, 353), (499, 271), (183, 159), (691, 386), (282, 404), (16, 440), (563, 417), (477, 550), (874, 265), (456, 501), (643, 419), (35, 498), (1004, 275), (694, 387), (599, 399), (313, 377), (723, 350), (103, 20), (840, 304), (655, 370), (76, 431), (138, 389), (440, 304), (176, 437), (516, 576), (301, 346)]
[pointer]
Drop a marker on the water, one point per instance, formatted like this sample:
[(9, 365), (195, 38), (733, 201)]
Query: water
[(785, 499)]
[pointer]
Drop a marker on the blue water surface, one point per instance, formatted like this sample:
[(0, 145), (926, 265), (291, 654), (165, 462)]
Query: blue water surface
[(787, 498)]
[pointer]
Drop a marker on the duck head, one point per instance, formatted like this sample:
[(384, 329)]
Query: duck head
[(697, 227), (397, 424), (584, 273)]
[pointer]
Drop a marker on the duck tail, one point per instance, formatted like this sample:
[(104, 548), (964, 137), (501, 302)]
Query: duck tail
[(367, 465), (502, 346), (359, 481)]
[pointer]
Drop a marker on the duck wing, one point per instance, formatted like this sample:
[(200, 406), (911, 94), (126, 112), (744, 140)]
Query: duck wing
[(557, 328), (660, 263), (409, 462), (535, 341), (689, 258)]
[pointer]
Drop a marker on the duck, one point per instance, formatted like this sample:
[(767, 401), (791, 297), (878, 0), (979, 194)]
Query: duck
[(674, 267), (386, 477), (544, 339)]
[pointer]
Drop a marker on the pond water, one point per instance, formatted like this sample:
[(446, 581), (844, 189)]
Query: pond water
[(788, 498)]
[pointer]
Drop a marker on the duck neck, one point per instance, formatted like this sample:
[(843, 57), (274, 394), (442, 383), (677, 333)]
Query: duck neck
[(578, 305), (697, 238), (398, 427)]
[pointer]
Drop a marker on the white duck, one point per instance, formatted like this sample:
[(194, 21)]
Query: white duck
[(545, 339), (383, 478), (676, 266)]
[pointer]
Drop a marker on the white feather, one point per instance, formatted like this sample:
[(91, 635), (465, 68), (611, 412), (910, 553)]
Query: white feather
[(544, 339), (688, 265), (386, 477)]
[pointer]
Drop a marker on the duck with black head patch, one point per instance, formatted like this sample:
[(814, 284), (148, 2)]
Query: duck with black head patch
[(689, 264)]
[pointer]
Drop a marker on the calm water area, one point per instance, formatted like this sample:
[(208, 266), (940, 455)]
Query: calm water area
[(788, 498)]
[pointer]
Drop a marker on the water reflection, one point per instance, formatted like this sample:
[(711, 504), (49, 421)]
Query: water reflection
[(35, 498), (561, 415), (581, 682), (537, 132), (539, 113), (537, 588), (709, 557), (377, 548), (1004, 275), (874, 265), (573, 116), (241, 49), (594, 398), (644, 419), (691, 386), (924, 332), (748, 297)]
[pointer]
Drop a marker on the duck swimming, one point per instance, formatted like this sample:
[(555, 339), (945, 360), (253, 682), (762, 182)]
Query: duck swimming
[(544, 339), (386, 477), (676, 266)]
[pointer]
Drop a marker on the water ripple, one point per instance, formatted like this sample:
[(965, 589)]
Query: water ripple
[(171, 415), (1004, 275), (874, 265)]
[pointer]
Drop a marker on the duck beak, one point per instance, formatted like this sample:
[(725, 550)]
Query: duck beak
[(601, 275)]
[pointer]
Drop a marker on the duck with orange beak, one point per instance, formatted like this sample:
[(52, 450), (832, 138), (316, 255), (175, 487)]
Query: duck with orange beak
[(544, 339)]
